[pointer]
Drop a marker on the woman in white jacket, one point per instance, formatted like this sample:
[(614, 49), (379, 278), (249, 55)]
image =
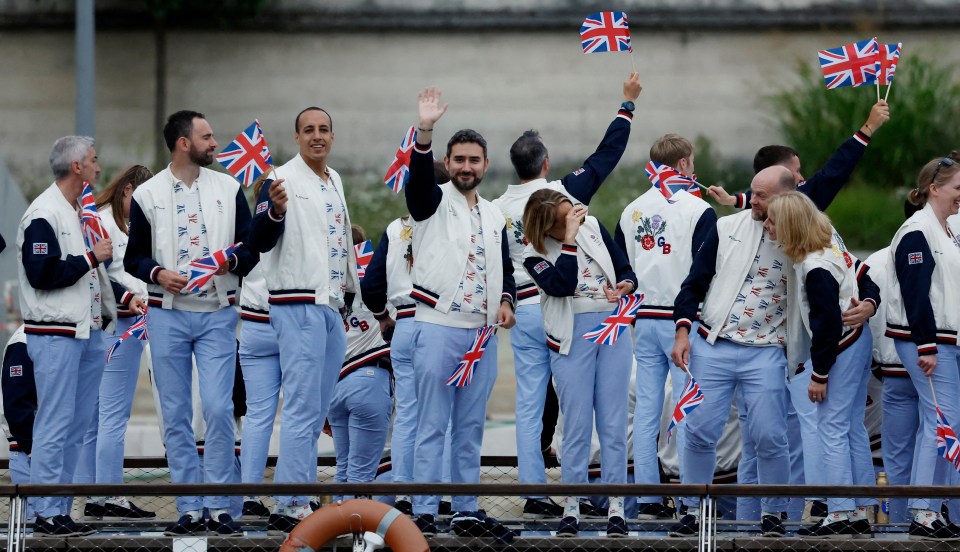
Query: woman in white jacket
[(581, 274)]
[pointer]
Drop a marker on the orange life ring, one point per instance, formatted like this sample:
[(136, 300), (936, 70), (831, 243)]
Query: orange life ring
[(333, 520)]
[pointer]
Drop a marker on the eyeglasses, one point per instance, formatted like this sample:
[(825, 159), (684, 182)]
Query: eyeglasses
[(945, 162)]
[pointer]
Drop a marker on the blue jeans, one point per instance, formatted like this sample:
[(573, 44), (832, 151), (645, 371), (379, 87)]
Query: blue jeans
[(116, 400), (531, 360), (901, 419), (260, 363)]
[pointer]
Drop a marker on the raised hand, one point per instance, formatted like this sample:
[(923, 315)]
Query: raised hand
[(632, 87), (430, 108), (572, 222), (879, 114), (721, 196)]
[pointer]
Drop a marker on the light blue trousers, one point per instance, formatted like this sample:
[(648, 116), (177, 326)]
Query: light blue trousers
[(67, 373), (929, 468), (653, 343), (116, 401), (313, 343), (359, 417), (531, 359), (437, 352), (210, 337), (901, 419), (593, 383), (260, 363), (844, 441), (759, 371), (405, 417)]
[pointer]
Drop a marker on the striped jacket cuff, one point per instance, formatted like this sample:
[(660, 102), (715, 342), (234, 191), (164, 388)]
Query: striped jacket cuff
[(819, 378), (126, 298), (275, 217), (624, 114), (684, 323), (154, 273), (91, 260), (875, 306), (927, 349), (862, 138), (422, 148), (740, 201), (568, 249)]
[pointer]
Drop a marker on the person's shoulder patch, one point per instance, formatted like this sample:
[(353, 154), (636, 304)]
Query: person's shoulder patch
[(541, 266), (915, 258), (16, 371), (261, 207), (579, 171), (40, 248)]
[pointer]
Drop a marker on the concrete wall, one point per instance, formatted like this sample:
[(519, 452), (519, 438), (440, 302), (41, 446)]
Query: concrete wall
[(500, 83)]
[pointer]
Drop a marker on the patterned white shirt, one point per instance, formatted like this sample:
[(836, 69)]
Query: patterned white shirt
[(758, 314), (191, 232), (471, 296), (336, 241)]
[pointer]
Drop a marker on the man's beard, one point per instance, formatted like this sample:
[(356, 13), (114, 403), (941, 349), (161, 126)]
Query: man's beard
[(477, 179), (201, 158)]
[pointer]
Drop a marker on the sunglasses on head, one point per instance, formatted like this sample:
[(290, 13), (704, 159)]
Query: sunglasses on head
[(945, 162)]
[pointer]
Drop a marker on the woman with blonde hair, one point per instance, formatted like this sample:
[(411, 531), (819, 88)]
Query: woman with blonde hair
[(120, 374), (923, 320), (828, 284), (581, 274)]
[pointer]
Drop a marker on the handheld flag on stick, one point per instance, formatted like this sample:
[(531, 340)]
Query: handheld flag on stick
[(364, 253), (670, 181), (138, 330), (248, 156), (605, 32), (619, 320), (93, 230), (689, 400), (849, 65), (888, 59), (463, 375), (203, 269), (399, 171), (947, 444)]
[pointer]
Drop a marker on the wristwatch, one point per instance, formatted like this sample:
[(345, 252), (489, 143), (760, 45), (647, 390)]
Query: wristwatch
[(628, 106)]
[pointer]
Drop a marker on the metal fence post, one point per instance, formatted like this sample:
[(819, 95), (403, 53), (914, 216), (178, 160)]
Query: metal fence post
[(708, 524), (16, 524)]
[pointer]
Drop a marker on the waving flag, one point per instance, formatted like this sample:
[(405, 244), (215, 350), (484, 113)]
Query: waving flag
[(203, 269), (947, 444), (670, 181), (248, 156), (364, 254), (888, 59), (93, 230), (138, 330), (850, 65), (610, 329), (399, 171), (689, 399), (605, 32), (463, 375)]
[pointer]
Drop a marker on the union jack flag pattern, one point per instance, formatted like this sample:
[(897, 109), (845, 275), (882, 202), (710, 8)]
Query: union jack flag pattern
[(689, 399), (138, 330), (888, 59), (670, 181), (248, 156), (605, 32), (463, 375), (93, 230), (203, 269), (850, 65), (364, 254), (610, 329), (399, 171), (947, 444)]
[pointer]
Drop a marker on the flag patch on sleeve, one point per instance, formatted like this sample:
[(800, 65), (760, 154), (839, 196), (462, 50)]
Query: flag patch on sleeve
[(579, 171), (16, 371), (261, 207), (40, 248), (915, 258), (541, 266)]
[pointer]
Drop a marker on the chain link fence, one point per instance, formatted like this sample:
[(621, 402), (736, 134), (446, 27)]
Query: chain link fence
[(500, 496)]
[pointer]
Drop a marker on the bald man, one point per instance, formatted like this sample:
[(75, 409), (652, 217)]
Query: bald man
[(740, 275)]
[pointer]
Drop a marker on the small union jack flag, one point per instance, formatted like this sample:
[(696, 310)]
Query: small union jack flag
[(138, 330), (670, 181), (888, 59), (203, 269), (93, 230), (399, 171), (605, 32), (463, 375), (689, 399), (364, 255), (947, 444), (850, 65), (610, 329), (248, 156)]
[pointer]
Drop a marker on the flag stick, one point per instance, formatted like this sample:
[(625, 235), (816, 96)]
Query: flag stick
[(887, 95), (934, 393), (632, 61), (878, 90)]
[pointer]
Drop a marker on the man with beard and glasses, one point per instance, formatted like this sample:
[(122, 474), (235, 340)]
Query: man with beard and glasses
[(302, 228), (183, 213), (462, 280)]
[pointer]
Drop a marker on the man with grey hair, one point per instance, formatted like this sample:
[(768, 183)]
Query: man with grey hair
[(65, 305)]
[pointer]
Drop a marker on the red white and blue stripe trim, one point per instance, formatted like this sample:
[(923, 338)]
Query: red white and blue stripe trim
[(292, 297), (425, 296), (254, 315), (553, 343), (527, 291), (366, 358), (406, 311), (66, 329)]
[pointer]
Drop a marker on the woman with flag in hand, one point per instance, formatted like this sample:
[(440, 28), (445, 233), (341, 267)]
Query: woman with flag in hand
[(829, 281), (923, 320), (122, 370), (580, 272)]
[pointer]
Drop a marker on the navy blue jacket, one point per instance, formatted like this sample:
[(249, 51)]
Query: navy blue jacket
[(373, 286), (560, 279), (584, 182), (19, 395), (915, 281), (824, 186), (138, 259), (48, 271)]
